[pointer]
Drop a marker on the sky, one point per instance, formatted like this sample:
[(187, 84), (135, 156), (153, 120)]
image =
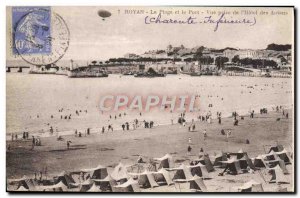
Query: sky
[(92, 38)]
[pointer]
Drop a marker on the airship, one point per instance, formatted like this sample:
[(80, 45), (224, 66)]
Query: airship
[(104, 14)]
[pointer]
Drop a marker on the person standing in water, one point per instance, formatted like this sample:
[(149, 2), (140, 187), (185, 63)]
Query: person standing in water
[(33, 143), (204, 134), (228, 135), (190, 141), (109, 128), (189, 150)]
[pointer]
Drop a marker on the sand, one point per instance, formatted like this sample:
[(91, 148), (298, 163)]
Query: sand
[(111, 148)]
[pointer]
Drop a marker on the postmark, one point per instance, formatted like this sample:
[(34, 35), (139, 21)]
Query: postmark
[(40, 36)]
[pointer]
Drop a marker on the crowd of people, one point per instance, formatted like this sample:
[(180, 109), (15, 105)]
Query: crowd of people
[(228, 132), (135, 124)]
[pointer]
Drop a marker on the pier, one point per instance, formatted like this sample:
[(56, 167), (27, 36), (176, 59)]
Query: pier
[(20, 68)]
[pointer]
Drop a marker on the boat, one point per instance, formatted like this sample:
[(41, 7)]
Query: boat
[(207, 73), (45, 69), (149, 75), (84, 72), (128, 73), (171, 72), (268, 75), (217, 73), (41, 72), (196, 74), (62, 72)]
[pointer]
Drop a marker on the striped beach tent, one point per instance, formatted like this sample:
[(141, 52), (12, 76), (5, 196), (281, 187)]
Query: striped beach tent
[(276, 148), (182, 173), (26, 182), (65, 178), (277, 175), (119, 173), (251, 186), (100, 172), (246, 162), (94, 188), (285, 156), (22, 189), (162, 177), (59, 187), (232, 167), (145, 179), (218, 158), (165, 162), (197, 184), (86, 185), (199, 170), (205, 160), (129, 186), (259, 162), (105, 184)]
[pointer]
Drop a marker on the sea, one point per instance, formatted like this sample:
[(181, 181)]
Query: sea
[(36, 102)]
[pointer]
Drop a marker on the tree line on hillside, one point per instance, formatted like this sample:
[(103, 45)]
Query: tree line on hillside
[(137, 60), (254, 62), (277, 47), (205, 59)]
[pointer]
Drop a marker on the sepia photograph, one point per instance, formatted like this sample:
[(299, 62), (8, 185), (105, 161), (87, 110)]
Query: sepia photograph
[(141, 99)]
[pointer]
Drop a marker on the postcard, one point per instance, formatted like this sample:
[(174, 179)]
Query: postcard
[(166, 99)]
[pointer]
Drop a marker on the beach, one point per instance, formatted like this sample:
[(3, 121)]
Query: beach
[(110, 148), (39, 105)]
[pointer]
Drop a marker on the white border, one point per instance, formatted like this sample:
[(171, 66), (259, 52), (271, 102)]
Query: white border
[(5, 3)]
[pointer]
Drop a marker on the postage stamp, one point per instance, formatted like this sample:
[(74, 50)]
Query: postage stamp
[(32, 30), (39, 35)]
